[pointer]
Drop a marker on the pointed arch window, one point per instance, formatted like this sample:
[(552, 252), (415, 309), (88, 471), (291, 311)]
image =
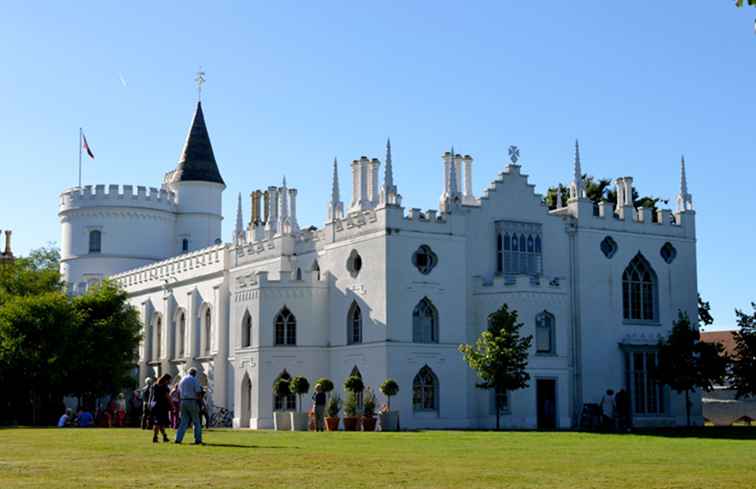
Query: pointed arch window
[(519, 248), (316, 269), (184, 245), (95, 241), (181, 335), (299, 274), (286, 328), (639, 291), (425, 390), (207, 331), (425, 322), (499, 254), (158, 338), (354, 324), (246, 330), (287, 402), (545, 333)]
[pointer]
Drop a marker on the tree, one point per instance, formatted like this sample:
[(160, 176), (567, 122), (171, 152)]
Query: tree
[(299, 386), (103, 353), (500, 355), (751, 3), (36, 337), (35, 274), (389, 388), (597, 190), (325, 384), (687, 363), (743, 373), (704, 312)]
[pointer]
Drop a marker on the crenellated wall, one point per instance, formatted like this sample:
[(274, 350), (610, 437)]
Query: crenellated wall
[(117, 196)]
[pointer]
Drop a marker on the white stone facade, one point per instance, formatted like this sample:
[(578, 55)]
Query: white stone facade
[(424, 282)]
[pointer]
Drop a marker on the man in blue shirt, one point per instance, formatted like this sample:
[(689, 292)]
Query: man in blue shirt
[(191, 393), (85, 418)]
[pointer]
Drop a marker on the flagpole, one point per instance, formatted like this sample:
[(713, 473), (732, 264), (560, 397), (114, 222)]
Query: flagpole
[(79, 158)]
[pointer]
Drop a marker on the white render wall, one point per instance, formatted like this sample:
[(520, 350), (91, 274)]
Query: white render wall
[(578, 285)]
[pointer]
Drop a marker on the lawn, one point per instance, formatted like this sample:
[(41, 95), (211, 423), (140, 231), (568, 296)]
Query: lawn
[(126, 458)]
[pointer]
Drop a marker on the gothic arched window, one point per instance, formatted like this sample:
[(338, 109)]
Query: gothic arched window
[(639, 291), (184, 245), (499, 254), (425, 390), (545, 332), (207, 331), (316, 269), (299, 274), (95, 241), (287, 402), (354, 324), (286, 328), (158, 338), (181, 336), (425, 322), (246, 330)]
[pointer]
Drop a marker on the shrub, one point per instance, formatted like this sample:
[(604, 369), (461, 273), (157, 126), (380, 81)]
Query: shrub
[(368, 403), (389, 388), (334, 406), (299, 386), (325, 383), (282, 387), (350, 405), (354, 384)]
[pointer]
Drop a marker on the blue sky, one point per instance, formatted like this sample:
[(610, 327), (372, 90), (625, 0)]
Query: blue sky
[(291, 86)]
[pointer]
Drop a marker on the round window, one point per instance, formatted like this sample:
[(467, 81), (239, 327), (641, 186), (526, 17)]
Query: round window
[(354, 263), (424, 259)]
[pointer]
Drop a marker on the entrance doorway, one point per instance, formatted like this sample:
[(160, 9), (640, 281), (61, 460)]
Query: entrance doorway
[(546, 401)]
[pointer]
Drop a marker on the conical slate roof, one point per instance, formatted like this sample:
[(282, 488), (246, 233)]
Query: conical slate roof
[(197, 161)]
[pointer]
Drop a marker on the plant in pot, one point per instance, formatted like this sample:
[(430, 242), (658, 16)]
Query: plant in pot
[(389, 419), (333, 406), (281, 418), (325, 384), (353, 386), (368, 410), (299, 386)]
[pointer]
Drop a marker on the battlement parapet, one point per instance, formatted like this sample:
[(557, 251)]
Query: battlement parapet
[(90, 196), (630, 219), (207, 260)]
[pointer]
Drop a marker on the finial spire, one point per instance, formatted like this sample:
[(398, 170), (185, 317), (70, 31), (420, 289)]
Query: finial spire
[(239, 230), (684, 199), (284, 182), (200, 80), (335, 207), (388, 177), (576, 189), (452, 176)]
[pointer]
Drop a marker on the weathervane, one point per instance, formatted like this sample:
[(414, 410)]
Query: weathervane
[(514, 154), (200, 80)]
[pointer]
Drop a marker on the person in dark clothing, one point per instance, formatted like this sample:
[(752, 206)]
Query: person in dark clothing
[(319, 400), (161, 404), (624, 418)]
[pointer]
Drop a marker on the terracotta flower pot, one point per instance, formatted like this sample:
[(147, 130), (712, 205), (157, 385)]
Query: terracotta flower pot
[(332, 423), (351, 423), (368, 423)]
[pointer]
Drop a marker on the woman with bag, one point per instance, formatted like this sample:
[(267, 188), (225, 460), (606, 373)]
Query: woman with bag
[(159, 407)]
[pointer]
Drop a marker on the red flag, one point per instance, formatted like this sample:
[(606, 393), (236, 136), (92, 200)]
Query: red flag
[(85, 145)]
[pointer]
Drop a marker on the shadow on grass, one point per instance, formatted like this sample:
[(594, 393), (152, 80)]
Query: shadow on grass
[(237, 445), (707, 432)]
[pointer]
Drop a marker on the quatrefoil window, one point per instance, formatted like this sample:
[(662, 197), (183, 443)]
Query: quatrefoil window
[(668, 252), (609, 247), (424, 259)]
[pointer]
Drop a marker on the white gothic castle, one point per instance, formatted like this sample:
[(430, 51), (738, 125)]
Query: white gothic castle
[(388, 291)]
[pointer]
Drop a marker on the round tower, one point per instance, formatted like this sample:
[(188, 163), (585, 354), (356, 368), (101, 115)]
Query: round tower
[(106, 232), (198, 186)]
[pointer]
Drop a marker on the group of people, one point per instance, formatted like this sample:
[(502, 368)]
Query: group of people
[(83, 419), (616, 411), (174, 407)]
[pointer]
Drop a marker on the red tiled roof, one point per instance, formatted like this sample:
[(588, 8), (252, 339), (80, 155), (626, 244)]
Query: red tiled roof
[(725, 337)]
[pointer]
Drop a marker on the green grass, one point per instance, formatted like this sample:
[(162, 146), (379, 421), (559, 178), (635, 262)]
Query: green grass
[(126, 458)]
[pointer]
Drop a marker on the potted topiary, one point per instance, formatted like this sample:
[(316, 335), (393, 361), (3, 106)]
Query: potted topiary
[(325, 384), (353, 386), (368, 410), (281, 419), (299, 386), (389, 419), (333, 406)]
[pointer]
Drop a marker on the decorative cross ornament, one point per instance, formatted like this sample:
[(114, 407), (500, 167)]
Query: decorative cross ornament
[(514, 154), (200, 80)]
